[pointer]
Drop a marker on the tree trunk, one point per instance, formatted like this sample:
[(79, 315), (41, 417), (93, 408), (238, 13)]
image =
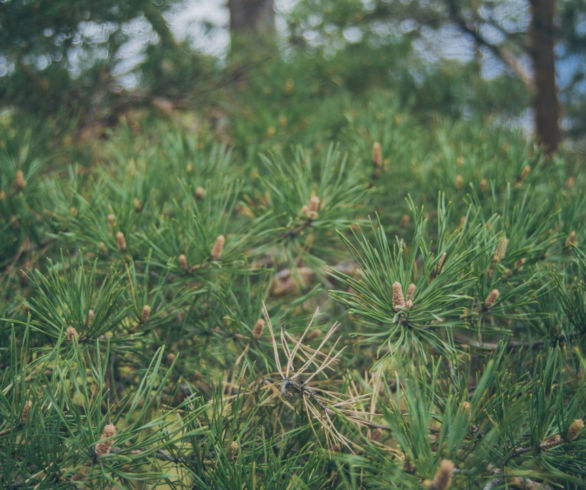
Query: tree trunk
[(251, 22), (546, 105)]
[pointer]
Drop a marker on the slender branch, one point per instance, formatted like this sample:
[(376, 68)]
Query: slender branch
[(500, 52), (516, 344)]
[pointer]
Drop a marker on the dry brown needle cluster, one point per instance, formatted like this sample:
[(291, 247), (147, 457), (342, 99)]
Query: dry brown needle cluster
[(305, 372)]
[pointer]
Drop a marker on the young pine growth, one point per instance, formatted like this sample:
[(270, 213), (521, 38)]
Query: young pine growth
[(443, 476), (377, 155), (258, 329), (491, 299), (105, 443), (121, 241), (398, 299), (218, 248), (146, 313), (72, 333), (575, 428), (19, 182)]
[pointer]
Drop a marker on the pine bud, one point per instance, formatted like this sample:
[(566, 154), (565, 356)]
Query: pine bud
[(121, 241), (314, 334), (443, 476), (501, 250), (73, 211), (492, 298), (376, 434), (170, 358), (575, 428), (146, 313), (483, 185), (459, 181), (289, 84), (440, 263), (218, 247), (200, 192), (525, 172), (519, 264), (398, 299), (258, 329), (29, 404), (19, 182), (111, 219), (232, 450), (72, 333), (314, 204), (90, 318), (377, 154), (466, 408), (570, 182), (410, 291), (183, 262), (137, 205), (404, 221), (571, 240), (103, 447)]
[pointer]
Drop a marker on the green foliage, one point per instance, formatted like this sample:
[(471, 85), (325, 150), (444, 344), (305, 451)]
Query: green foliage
[(135, 350)]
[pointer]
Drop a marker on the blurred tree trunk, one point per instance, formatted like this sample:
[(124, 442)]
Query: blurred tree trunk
[(546, 105), (252, 22)]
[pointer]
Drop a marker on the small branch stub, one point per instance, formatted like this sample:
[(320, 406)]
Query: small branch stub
[(90, 318), (105, 444), (218, 247)]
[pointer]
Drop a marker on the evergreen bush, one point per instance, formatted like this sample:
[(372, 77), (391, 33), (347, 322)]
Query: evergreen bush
[(399, 301)]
